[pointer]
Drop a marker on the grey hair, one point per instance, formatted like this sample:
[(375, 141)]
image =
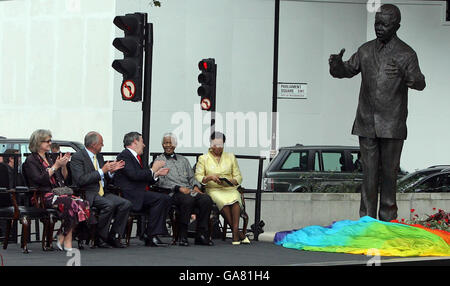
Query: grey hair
[(37, 137), (172, 137), (91, 138), (129, 138)]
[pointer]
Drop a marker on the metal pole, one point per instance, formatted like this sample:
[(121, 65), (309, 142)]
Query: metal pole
[(146, 103), (258, 200), (275, 77), (213, 109)]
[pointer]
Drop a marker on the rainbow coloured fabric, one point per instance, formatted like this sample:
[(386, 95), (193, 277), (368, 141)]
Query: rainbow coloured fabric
[(367, 235)]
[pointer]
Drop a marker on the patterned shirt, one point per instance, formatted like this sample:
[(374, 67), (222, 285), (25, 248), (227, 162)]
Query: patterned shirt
[(180, 173)]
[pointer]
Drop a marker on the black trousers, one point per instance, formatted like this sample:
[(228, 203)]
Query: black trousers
[(111, 207), (186, 204), (380, 159), (157, 206)]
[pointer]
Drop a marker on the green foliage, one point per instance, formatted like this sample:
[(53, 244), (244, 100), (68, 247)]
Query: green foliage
[(155, 3)]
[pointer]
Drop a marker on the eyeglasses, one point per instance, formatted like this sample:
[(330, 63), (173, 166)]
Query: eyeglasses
[(48, 141)]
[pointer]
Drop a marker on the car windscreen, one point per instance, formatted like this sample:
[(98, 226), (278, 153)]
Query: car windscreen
[(408, 180)]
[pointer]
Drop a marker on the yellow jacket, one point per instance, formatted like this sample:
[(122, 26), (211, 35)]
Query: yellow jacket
[(227, 167)]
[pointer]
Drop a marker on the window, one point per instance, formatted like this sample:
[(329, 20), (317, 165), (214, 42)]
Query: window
[(65, 149), (22, 147), (296, 161), (316, 162), (356, 160), (333, 161)]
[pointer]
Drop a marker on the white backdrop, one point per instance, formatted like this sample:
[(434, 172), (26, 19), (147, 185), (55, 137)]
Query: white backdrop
[(56, 55)]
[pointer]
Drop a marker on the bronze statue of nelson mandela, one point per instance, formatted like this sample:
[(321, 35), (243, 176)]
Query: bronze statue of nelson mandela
[(388, 67)]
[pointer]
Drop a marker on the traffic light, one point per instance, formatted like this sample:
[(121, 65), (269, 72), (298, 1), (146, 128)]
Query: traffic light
[(132, 47), (207, 80)]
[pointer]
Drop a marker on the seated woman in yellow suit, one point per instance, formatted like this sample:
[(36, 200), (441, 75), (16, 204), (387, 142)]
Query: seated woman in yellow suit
[(213, 166)]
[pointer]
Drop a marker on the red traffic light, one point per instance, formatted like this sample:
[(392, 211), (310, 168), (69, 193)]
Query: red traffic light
[(206, 65), (131, 24)]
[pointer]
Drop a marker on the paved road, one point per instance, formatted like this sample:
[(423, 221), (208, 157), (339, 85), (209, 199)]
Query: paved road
[(259, 253)]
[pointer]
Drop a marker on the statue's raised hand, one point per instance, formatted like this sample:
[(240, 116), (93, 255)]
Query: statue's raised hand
[(336, 59)]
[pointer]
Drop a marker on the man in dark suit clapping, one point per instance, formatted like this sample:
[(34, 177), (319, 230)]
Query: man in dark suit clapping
[(133, 180), (91, 173)]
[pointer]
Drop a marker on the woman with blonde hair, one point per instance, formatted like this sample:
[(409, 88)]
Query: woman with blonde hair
[(48, 175)]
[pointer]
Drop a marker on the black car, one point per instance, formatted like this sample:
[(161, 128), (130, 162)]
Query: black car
[(430, 180), (22, 145), (318, 169), (314, 169)]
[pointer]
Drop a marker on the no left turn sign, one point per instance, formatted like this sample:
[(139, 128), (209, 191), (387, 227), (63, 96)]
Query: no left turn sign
[(128, 89)]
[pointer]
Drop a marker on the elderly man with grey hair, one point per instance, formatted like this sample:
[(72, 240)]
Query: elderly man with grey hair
[(91, 173), (185, 192)]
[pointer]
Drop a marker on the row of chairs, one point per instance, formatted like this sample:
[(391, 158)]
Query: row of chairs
[(15, 206), (30, 207)]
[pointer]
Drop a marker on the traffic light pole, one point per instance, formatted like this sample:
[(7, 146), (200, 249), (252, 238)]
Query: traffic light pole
[(213, 107), (146, 102)]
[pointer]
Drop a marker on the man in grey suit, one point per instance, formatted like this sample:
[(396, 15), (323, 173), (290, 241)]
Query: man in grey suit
[(388, 68), (91, 173)]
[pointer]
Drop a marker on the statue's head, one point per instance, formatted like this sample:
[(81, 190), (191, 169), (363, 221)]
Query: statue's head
[(387, 22)]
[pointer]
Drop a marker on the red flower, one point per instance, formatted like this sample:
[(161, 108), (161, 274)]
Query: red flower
[(403, 219), (413, 210), (434, 209)]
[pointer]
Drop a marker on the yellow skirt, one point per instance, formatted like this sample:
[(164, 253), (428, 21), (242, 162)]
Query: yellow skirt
[(224, 196)]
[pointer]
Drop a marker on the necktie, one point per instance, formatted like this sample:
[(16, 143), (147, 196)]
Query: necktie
[(140, 162), (100, 192)]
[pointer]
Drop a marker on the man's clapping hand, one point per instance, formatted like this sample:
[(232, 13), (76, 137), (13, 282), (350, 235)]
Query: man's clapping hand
[(162, 172), (158, 169), (112, 166)]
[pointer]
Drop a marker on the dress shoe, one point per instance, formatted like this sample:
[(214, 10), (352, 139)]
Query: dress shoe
[(183, 242), (245, 240), (80, 244), (100, 244), (115, 242), (60, 247), (58, 243), (154, 241), (202, 240)]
